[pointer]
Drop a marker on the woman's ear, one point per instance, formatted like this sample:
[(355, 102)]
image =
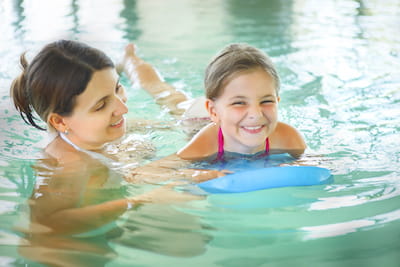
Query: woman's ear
[(58, 122), (210, 106)]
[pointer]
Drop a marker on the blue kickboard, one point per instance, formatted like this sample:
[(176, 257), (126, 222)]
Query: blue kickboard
[(263, 178)]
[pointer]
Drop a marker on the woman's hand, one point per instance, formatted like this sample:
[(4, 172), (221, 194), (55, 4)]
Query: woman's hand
[(164, 195)]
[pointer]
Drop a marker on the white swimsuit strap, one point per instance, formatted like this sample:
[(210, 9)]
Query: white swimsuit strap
[(114, 176), (109, 162), (65, 138)]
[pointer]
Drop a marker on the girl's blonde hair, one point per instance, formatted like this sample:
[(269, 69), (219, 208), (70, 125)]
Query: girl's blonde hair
[(232, 60)]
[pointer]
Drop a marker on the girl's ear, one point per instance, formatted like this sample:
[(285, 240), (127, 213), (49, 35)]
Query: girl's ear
[(58, 122), (210, 106)]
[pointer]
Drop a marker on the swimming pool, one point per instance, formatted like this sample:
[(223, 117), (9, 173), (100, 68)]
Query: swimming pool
[(339, 65)]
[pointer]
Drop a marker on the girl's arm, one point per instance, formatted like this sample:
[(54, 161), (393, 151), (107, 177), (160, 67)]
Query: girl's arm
[(202, 145), (287, 139)]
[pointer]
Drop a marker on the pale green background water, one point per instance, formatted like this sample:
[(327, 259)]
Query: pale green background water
[(339, 63)]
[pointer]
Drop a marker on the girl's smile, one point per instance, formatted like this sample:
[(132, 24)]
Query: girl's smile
[(246, 111), (253, 129)]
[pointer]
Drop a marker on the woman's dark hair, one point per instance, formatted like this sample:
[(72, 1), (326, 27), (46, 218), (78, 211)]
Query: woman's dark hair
[(56, 76)]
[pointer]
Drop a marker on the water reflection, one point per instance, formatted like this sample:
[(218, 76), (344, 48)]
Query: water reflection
[(261, 23), (72, 218), (165, 230), (339, 65), (130, 27), (74, 16)]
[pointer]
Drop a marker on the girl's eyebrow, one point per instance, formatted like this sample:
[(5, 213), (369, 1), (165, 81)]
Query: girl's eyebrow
[(245, 97), (238, 96), (269, 95)]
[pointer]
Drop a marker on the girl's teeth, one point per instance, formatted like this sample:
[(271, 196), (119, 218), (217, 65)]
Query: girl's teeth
[(253, 128)]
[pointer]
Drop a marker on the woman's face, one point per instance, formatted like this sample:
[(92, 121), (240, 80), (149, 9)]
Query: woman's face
[(98, 115), (247, 111)]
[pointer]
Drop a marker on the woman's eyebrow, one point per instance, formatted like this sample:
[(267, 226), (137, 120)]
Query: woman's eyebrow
[(106, 96)]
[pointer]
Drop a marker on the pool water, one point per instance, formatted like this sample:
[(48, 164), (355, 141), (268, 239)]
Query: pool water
[(340, 68)]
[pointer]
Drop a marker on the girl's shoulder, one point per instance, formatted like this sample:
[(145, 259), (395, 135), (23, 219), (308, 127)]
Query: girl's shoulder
[(202, 145), (286, 137)]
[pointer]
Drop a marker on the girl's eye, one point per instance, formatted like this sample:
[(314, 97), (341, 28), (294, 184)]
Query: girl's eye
[(118, 88), (267, 101), (238, 103)]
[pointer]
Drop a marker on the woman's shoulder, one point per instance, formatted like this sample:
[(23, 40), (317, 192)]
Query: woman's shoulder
[(286, 137), (61, 153), (203, 144)]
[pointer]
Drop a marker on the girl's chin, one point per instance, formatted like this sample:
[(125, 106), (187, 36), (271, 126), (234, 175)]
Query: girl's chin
[(256, 147)]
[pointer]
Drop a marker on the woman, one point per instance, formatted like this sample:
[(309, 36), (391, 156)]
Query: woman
[(75, 90)]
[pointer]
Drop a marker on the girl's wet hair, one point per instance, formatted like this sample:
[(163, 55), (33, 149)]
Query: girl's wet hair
[(232, 60), (56, 76)]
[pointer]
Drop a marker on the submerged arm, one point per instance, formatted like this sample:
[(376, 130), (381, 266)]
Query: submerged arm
[(66, 199), (170, 168), (82, 219)]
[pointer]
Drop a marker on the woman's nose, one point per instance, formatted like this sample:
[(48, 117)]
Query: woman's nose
[(121, 107)]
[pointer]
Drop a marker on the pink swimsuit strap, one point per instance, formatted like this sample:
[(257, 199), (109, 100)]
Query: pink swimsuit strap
[(221, 145)]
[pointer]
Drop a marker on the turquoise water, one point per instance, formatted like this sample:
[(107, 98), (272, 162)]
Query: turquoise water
[(340, 68)]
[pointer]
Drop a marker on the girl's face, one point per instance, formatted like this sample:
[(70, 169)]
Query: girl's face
[(98, 115), (246, 111)]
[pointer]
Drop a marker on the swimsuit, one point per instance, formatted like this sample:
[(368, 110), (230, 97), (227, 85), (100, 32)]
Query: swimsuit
[(220, 155)]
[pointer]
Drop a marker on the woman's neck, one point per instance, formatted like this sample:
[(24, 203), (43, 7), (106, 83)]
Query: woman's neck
[(80, 148)]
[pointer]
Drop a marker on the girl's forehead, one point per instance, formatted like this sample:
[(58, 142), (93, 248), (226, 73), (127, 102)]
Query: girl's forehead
[(249, 82)]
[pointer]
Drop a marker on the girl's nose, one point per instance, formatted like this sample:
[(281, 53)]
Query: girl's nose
[(255, 112)]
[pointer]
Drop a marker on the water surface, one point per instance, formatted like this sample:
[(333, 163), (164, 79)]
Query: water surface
[(339, 63)]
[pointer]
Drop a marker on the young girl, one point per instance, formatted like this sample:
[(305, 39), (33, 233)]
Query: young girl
[(242, 91), (75, 89), (242, 96)]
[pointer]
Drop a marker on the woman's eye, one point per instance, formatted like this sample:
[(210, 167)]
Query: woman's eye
[(118, 88), (100, 106)]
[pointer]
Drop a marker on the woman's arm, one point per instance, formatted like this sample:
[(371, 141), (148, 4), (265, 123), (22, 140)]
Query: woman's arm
[(82, 219), (66, 199), (75, 220), (169, 169)]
